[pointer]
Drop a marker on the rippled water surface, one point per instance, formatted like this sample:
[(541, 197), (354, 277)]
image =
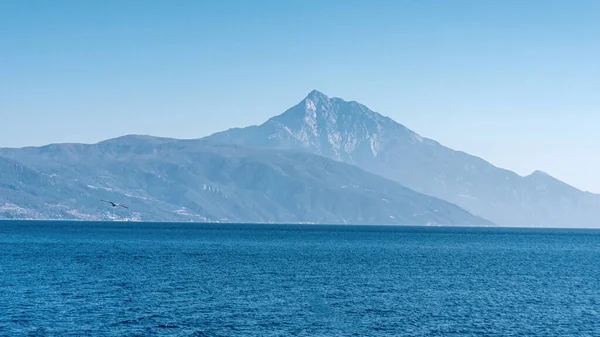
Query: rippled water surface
[(124, 279)]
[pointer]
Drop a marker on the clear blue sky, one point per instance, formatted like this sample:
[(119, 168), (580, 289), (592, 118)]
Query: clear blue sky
[(515, 82)]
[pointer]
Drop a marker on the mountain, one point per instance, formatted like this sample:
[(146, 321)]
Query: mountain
[(350, 132), (163, 179)]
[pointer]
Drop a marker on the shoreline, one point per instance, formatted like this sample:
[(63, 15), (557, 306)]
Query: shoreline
[(288, 224)]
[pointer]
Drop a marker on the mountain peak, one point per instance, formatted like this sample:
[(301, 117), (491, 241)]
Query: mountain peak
[(315, 99), (319, 103), (316, 95), (329, 126), (319, 111), (540, 174)]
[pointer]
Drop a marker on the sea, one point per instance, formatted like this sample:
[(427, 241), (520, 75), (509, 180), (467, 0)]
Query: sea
[(61, 278)]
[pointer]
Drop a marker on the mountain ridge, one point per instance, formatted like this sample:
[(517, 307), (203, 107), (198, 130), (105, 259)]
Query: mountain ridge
[(348, 131), (163, 179)]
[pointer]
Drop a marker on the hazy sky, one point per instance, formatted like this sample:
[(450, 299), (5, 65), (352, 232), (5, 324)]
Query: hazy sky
[(515, 82)]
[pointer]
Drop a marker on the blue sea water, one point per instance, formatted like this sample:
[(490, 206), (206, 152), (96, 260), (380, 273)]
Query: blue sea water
[(155, 279)]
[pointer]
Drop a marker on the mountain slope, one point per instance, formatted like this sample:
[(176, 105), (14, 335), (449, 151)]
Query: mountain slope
[(179, 180), (351, 133)]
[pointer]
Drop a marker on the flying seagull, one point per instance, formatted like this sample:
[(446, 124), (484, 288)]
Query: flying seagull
[(114, 204)]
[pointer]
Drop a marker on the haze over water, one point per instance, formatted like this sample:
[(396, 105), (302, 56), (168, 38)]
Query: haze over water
[(116, 279)]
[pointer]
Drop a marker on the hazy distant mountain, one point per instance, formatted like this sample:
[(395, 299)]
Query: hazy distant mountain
[(350, 132), (177, 180)]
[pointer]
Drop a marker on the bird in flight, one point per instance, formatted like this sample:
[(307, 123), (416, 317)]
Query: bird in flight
[(114, 204)]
